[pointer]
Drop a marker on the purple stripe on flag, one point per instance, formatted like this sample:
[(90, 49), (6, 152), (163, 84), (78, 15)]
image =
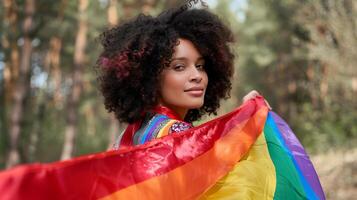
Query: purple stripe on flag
[(299, 154)]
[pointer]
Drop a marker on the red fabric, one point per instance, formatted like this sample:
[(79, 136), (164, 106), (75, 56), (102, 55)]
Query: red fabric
[(127, 139), (168, 112)]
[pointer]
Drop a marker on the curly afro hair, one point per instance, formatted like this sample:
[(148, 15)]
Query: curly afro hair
[(136, 52)]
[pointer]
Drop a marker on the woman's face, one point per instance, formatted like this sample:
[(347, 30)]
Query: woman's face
[(183, 84)]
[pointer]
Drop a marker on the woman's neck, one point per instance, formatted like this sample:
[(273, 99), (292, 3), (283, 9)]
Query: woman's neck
[(178, 112)]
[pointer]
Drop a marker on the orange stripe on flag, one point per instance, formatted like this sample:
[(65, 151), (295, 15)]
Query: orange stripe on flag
[(192, 179)]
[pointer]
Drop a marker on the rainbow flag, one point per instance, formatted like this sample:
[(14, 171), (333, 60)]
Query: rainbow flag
[(249, 153)]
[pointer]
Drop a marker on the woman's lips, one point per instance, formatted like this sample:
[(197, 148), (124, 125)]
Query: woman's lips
[(195, 93)]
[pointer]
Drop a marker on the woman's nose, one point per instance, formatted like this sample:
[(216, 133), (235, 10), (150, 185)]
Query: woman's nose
[(195, 75)]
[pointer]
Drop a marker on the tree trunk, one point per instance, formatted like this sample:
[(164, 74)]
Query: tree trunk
[(53, 59), (7, 80), (22, 84), (73, 101), (52, 65), (112, 13), (11, 70)]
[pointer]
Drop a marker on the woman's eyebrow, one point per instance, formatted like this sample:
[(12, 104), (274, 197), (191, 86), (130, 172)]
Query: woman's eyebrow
[(200, 58), (185, 58)]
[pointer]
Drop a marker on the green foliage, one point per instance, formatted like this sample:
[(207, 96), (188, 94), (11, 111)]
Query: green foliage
[(276, 42)]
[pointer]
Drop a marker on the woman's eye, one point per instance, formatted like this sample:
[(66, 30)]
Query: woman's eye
[(179, 67), (200, 67)]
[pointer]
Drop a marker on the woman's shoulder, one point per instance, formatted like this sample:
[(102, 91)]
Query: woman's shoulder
[(157, 126)]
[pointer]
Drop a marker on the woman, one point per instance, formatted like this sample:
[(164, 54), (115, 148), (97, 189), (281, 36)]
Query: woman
[(159, 74)]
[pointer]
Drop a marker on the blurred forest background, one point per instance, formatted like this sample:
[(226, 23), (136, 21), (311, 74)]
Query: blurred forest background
[(300, 54)]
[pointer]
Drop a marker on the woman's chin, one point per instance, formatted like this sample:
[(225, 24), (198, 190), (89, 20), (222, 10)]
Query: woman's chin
[(195, 105)]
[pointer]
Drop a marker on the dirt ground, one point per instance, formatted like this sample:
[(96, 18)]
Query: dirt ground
[(338, 174)]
